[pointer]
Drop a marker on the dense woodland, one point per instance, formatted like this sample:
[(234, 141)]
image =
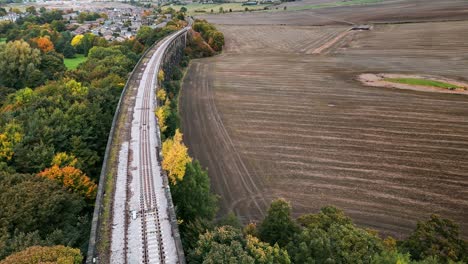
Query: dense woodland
[(54, 125)]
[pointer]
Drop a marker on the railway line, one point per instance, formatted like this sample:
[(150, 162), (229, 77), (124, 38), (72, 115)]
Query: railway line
[(142, 231)]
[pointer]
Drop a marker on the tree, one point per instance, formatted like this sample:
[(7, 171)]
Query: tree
[(162, 113), (391, 257), (161, 75), (77, 40), (327, 217), (11, 135), (18, 62), (58, 25), (44, 43), (31, 10), (216, 40), (438, 237), (175, 157), (226, 244), (38, 211), (264, 253), (143, 34), (278, 226), (330, 237), (183, 9), (73, 179), (192, 195), (37, 254), (62, 159), (52, 66)]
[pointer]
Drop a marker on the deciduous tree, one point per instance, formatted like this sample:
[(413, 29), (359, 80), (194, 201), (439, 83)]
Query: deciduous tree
[(37, 254), (73, 179), (44, 43), (18, 62), (175, 157), (278, 226), (35, 210), (192, 195), (438, 237)]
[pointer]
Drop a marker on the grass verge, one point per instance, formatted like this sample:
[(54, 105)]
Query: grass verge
[(423, 82), (2, 40), (72, 63)]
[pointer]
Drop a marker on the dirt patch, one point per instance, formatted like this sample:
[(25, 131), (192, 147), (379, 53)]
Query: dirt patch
[(379, 80)]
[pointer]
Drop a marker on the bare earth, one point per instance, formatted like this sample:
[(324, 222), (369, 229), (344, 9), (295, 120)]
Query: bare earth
[(270, 119), (383, 12)]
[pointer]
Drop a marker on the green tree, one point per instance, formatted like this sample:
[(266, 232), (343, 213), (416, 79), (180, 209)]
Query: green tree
[(18, 64), (438, 237), (227, 245), (278, 226), (330, 237), (52, 66), (31, 10), (391, 257), (192, 195), (38, 211)]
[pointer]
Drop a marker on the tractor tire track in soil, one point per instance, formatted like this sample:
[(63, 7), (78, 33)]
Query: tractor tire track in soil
[(269, 120)]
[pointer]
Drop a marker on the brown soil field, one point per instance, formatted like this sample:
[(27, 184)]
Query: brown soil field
[(381, 12), (270, 119)]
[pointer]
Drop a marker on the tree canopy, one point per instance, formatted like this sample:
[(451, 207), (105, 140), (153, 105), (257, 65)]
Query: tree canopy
[(37, 211), (176, 157), (19, 64), (38, 254)]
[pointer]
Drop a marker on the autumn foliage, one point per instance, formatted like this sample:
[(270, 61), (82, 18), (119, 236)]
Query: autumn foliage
[(175, 157), (44, 44), (73, 179), (50, 255)]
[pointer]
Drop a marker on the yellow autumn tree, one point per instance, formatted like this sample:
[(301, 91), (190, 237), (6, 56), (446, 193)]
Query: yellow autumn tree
[(161, 95), (76, 88), (175, 157), (162, 113), (76, 40), (161, 75), (12, 134), (62, 159), (38, 254)]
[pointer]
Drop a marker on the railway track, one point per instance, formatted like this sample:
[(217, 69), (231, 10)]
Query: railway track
[(142, 230), (153, 244)]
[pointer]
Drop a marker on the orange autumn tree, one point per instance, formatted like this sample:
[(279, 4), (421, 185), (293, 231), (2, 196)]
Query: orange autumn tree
[(44, 44), (73, 179)]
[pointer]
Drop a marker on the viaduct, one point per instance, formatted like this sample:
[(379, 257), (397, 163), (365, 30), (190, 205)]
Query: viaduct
[(134, 219)]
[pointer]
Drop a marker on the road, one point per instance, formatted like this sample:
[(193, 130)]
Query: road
[(141, 228)]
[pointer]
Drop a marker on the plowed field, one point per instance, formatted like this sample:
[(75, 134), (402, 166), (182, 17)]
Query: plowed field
[(271, 119)]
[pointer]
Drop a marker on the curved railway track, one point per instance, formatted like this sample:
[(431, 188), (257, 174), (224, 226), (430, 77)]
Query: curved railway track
[(142, 231)]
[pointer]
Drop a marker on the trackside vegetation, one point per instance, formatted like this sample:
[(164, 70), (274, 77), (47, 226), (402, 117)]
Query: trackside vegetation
[(424, 82)]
